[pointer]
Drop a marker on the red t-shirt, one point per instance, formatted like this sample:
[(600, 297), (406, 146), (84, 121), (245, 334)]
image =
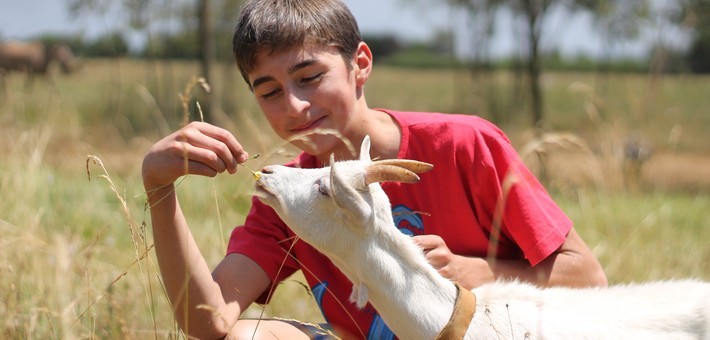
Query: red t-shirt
[(457, 201)]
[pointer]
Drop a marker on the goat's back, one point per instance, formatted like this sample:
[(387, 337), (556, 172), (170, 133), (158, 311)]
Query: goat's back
[(653, 310)]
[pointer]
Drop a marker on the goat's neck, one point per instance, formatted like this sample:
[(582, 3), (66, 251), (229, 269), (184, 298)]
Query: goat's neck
[(406, 291)]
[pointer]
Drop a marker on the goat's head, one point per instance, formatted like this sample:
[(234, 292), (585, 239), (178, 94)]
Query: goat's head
[(62, 54), (328, 206)]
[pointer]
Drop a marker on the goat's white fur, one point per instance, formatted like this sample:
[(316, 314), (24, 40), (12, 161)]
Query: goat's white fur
[(350, 222)]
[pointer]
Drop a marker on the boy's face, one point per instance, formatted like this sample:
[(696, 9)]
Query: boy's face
[(305, 89)]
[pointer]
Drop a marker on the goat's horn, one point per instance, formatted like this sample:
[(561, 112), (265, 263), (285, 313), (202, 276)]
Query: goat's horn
[(411, 165), (389, 173)]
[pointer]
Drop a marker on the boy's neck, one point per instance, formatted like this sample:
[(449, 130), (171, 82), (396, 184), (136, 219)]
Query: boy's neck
[(385, 135)]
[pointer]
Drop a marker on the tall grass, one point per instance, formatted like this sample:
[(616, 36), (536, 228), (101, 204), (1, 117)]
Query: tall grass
[(644, 236), (76, 258)]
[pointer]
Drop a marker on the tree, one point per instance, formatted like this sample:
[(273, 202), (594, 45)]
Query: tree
[(533, 13), (480, 18), (194, 18), (619, 19), (616, 20), (695, 16), (109, 45), (206, 50)]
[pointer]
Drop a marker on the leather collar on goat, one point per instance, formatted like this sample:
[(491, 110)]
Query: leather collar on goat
[(464, 308)]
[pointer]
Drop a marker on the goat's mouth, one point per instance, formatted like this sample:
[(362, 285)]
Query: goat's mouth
[(263, 193)]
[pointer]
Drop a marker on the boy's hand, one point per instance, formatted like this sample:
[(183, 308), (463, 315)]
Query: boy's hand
[(438, 254), (470, 272), (198, 149)]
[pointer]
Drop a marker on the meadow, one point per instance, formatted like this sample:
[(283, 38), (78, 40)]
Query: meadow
[(76, 255)]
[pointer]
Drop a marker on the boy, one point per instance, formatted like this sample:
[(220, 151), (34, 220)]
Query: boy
[(307, 67)]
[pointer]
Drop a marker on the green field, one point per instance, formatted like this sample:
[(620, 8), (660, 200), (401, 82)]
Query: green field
[(75, 254)]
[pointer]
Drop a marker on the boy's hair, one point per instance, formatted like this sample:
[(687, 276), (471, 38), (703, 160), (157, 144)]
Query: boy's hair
[(278, 25)]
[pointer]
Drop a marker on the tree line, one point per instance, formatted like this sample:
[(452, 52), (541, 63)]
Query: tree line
[(202, 29)]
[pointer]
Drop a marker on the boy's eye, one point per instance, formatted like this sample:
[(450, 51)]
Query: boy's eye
[(270, 94), (312, 78)]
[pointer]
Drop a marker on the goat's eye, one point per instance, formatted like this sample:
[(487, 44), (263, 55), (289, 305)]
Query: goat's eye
[(322, 188)]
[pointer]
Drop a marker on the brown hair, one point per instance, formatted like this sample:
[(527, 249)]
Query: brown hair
[(278, 25)]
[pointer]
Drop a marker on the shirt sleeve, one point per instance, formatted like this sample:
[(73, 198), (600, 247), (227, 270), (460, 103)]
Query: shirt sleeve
[(530, 217), (266, 240)]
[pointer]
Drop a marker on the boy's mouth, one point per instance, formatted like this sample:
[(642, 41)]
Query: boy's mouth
[(308, 125)]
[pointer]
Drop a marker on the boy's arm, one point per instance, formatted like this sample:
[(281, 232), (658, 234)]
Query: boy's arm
[(204, 307), (573, 264)]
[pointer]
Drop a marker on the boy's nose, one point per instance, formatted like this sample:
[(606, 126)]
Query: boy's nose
[(297, 104)]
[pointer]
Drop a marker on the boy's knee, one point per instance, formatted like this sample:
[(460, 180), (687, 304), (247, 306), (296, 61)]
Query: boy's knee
[(265, 329)]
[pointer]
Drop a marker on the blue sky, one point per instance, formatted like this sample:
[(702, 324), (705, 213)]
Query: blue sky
[(570, 34)]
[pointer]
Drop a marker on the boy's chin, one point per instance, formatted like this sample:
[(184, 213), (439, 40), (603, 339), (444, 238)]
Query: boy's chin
[(320, 145)]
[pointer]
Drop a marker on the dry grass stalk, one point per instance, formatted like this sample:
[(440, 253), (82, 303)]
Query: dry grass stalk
[(121, 198), (185, 97), (108, 287), (321, 330), (133, 233), (510, 180), (537, 152)]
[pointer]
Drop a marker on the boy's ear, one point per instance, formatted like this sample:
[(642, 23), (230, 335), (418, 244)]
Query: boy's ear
[(363, 64)]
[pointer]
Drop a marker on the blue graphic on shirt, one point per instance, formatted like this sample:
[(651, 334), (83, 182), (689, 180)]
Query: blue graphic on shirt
[(409, 223), (318, 292), (378, 330)]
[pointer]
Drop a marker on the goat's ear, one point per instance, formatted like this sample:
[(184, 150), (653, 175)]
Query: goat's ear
[(365, 149), (346, 197)]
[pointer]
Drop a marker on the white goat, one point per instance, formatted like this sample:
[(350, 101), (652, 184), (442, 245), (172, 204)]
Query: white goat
[(342, 211)]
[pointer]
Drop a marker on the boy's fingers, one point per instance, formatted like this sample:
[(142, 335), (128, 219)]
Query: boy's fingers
[(207, 157), (198, 168), (217, 140), (228, 139), (213, 148), (427, 242)]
